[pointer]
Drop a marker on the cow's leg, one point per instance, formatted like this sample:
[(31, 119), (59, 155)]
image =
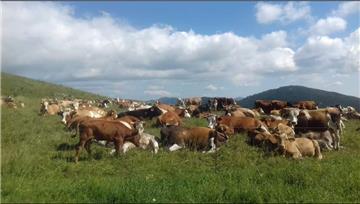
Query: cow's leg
[(87, 147), (118, 145), (174, 147), (78, 147), (212, 145)]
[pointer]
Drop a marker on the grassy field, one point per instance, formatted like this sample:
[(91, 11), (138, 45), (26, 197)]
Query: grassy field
[(37, 165)]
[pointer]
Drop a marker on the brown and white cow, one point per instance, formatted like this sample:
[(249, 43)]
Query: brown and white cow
[(315, 120), (50, 109), (297, 148), (169, 118), (237, 124), (111, 131), (92, 112), (325, 138), (199, 138)]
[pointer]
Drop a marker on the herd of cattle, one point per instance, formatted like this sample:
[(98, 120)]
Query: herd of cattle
[(296, 130)]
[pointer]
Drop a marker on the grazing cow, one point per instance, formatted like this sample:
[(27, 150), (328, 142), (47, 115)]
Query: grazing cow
[(237, 124), (297, 148), (142, 114), (199, 138), (309, 105), (325, 138), (314, 120), (110, 131), (169, 118)]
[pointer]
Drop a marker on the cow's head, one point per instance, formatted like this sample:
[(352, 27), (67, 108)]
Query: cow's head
[(187, 114), (225, 129), (290, 114), (211, 121), (139, 126), (67, 115)]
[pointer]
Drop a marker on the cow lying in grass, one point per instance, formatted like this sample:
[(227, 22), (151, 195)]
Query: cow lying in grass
[(236, 124), (283, 140), (199, 138)]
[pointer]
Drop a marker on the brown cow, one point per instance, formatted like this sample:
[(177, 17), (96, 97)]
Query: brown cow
[(111, 131), (199, 138), (169, 118), (269, 105), (309, 105), (165, 107), (299, 147), (184, 113), (272, 123), (239, 124), (51, 109), (315, 120)]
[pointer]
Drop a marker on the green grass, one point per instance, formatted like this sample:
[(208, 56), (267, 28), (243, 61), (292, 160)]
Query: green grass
[(37, 166)]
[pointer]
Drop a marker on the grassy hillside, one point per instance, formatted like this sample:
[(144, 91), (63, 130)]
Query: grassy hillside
[(17, 86), (37, 165), (297, 93)]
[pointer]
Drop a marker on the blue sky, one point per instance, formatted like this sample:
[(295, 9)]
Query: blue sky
[(146, 50)]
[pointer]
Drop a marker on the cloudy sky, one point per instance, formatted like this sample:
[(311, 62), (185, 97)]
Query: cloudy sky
[(149, 50)]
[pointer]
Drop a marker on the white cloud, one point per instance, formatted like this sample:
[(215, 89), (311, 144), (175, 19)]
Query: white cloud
[(267, 13), (328, 25), (322, 53), (46, 41), (212, 87), (161, 93), (347, 8), (286, 13)]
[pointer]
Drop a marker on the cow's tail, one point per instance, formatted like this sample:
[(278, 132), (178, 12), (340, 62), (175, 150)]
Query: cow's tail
[(318, 154)]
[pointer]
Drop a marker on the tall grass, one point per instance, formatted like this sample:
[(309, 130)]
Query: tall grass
[(37, 166)]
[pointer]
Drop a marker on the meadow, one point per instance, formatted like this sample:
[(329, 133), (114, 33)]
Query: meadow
[(37, 164)]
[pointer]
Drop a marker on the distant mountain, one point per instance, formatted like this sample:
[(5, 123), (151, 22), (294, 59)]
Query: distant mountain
[(297, 93), (239, 98), (166, 100)]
